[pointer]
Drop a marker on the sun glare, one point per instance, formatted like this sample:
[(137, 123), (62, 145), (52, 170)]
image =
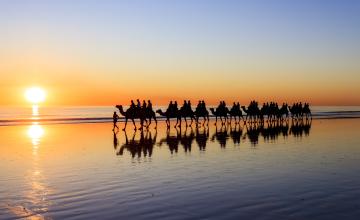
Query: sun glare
[(35, 95)]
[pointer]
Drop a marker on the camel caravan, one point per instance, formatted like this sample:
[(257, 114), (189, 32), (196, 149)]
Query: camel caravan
[(252, 113)]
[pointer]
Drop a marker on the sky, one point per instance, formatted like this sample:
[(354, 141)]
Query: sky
[(108, 52)]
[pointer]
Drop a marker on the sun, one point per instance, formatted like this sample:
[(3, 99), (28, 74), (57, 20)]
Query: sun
[(35, 95)]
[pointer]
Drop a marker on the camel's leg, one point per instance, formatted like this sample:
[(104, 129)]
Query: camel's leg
[(149, 123), (126, 121), (141, 124), (155, 121), (167, 123), (134, 124)]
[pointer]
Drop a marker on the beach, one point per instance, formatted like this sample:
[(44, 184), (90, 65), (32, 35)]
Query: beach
[(86, 171)]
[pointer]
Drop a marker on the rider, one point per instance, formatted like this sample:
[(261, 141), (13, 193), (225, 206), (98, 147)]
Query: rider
[(149, 105), (132, 105), (170, 107), (138, 104), (143, 107)]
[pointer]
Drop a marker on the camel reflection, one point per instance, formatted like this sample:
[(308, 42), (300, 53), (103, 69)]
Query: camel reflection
[(201, 137), (272, 130), (300, 128), (184, 137), (187, 139), (236, 133), (221, 135), (140, 147), (172, 140), (253, 132)]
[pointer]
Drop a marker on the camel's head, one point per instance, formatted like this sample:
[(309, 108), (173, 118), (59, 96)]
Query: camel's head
[(118, 106)]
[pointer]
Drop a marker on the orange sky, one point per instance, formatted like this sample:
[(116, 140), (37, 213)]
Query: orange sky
[(94, 57)]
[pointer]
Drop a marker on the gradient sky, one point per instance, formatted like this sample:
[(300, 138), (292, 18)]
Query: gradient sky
[(107, 52)]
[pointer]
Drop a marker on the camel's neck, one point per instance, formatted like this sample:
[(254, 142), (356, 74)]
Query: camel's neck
[(243, 108), (161, 113), (121, 110), (212, 111)]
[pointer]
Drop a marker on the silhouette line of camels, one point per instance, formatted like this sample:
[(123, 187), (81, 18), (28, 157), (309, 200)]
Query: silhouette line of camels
[(252, 132), (253, 113)]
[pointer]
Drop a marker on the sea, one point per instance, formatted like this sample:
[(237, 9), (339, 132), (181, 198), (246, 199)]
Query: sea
[(92, 114), (69, 163)]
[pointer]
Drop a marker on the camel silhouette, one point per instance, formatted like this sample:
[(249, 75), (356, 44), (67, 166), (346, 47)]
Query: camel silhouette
[(201, 111), (235, 111), (253, 113), (138, 113), (219, 112), (170, 114), (187, 112), (131, 114), (298, 111)]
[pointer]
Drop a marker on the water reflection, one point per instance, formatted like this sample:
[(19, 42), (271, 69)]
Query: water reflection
[(35, 132), (201, 137), (36, 203), (173, 138), (142, 146)]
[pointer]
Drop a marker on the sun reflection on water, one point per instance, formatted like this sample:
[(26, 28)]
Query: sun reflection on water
[(38, 190), (35, 132)]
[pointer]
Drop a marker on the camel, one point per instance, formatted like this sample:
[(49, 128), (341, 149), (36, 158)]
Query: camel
[(252, 112), (235, 112), (150, 114), (184, 113), (201, 111), (220, 113), (131, 114), (297, 112), (169, 115), (283, 111), (307, 112)]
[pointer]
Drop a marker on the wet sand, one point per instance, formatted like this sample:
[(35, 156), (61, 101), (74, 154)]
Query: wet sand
[(83, 171)]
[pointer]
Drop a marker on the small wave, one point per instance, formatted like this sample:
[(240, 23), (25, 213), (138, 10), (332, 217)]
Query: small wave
[(7, 122), (81, 120)]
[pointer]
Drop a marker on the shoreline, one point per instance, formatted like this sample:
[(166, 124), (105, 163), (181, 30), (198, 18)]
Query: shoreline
[(89, 120)]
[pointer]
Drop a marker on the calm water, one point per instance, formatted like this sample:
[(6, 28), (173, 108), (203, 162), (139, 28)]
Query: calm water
[(89, 114), (85, 171)]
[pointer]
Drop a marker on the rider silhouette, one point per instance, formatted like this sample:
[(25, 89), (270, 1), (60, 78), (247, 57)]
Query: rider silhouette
[(138, 104), (149, 105), (132, 105), (143, 105)]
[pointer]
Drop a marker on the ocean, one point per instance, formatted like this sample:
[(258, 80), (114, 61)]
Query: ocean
[(92, 114)]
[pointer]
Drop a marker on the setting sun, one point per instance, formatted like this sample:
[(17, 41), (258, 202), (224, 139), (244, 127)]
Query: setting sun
[(35, 95)]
